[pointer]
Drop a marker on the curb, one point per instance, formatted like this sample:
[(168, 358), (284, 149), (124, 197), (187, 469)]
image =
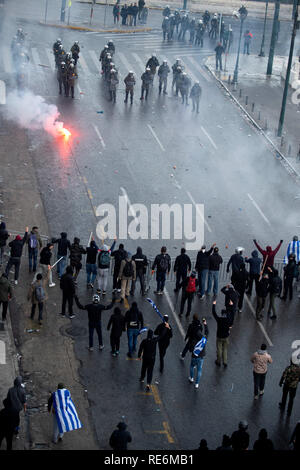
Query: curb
[(283, 160), (85, 28)]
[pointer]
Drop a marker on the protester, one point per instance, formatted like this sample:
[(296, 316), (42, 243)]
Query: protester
[(94, 314), (260, 360), (193, 332), (127, 275), (164, 341), (239, 280), (295, 437), (254, 263), (45, 262), (134, 322), (91, 263), (16, 400), (263, 444), (223, 331), (34, 241), (147, 350), (117, 324), (189, 287), (288, 277), (141, 264), (37, 295), (261, 293), (104, 257), (5, 294), (182, 267), (4, 235), (197, 348), (226, 443), (236, 260), (120, 438), (63, 245), (268, 254), (118, 256), (289, 379), (275, 286), (16, 248), (76, 252), (64, 413), (203, 445), (240, 439), (67, 286), (293, 248), (214, 263), (9, 421), (162, 263)]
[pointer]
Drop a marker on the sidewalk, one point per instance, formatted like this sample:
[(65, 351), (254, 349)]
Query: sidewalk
[(226, 7), (46, 355), (261, 97)]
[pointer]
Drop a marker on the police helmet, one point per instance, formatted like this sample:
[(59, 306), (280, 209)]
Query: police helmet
[(63, 64), (179, 69), (76, 42), (153, 55), (177, 60), (60, 46), (200, 22), (113, 71), (96, 299), (239, 250), (110, 41), (58, 40), (106, 46), (165, 61), (130, 72), (148, 69), (71, 66), (72, 61), (166, 17)]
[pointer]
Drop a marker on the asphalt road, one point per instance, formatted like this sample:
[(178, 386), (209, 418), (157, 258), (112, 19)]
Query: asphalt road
[(220, 162)]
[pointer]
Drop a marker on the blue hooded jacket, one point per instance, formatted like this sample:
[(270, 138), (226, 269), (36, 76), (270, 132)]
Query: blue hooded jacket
[(254, 262)]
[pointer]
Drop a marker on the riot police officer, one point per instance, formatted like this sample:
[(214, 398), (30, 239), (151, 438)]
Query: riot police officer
[(129, 81), (199, 33), (75, 49), (71, 77), (184, 87), (113, 83), (196, 95), (153, 64), (146, 82), (163, 73)]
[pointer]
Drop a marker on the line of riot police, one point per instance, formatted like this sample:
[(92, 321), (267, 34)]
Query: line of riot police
[(20, 59), (65, 63)]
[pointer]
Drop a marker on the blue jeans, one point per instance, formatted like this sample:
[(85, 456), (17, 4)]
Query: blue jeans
[(132, 334), (32, 257), (196, 362), (91, 273), (160, 279), (61, 265), (202, 280), (213, 277)]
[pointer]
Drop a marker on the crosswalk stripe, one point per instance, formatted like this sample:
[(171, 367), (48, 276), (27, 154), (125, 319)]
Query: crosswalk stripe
[(50, 56), (35, 56), (126, 63), (137, 58), (7, 62), (199, 68), (82, 63), (95, 59)]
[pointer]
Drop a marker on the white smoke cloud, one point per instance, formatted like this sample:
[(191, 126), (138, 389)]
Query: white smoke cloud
[(32, 112)]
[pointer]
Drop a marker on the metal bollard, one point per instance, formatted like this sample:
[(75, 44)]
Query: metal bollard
[(290, 150), (253, 104), (259, 115), (229, 79), (266, 125), (246, 100)]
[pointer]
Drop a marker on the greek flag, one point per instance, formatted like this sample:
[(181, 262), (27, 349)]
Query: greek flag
[(200, 346), (143, 330), (155, 308), (294, 247), (65, 411)]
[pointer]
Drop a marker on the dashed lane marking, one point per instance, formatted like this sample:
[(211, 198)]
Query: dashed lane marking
[(259, 209), (209, 138), (259, 323), (156, 138), (99, 135), (180, 327)]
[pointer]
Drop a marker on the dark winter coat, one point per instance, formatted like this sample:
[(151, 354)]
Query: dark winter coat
[(240, 440), (118, 256), (16, 397), (140, 260), (275, 283), (164, 337), (240, 278), (202, 261), (215, 260), (120, 438), (182, 264), (16, 246), (117, 324), (289, 270), (235, 261), (5, 289), (223, 324), (91, 253), (263, 445), (198, 336), (67, 284), (148, 345), (262, 287), (76, 252), (254, 262), (3, 234), (63, 244), (9, 420), (45, 255), (94, 311), (134, 318), (157, 262)]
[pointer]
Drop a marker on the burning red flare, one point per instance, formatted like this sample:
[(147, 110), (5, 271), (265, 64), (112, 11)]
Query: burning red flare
[(65, 133)]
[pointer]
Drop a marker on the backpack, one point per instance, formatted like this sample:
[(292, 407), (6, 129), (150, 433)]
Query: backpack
[(128, 269), (39, 293), (32, 241), (104, 259), (191, 287), (200, 346), (163, 263)]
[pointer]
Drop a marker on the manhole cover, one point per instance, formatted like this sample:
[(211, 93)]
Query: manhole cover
[(73, 331)]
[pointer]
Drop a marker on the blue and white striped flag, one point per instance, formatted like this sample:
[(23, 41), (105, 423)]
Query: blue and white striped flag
[(143, 330), (294, 247), (65, 411), (155, 308), (200, 346)]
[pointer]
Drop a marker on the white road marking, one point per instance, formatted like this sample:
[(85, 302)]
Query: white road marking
[(198, 211), (126, 63), (209, 137), (99, 135), (199, 68), (156, 138), (83, 64), (50, 56), (2, 92), (176, 318), (142, 66), (258, 208), (7, 62), (95, 59), (131, 210), (259, 323)]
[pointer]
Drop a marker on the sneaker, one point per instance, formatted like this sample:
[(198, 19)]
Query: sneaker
[(117, 353), (225, 365), (129, 355), (161, 292), (255, 397), (191, 379), (141, 380), (92, 286), (72, 316), (201, 297), (114, 354), (40, 322), (147, 387), (181, 357), (119, 290), (104, 292), (101, 347), (280, 406), (16, 282), (90, 348), (114, 290), (261, 392), (62, 314), (217, 363), (156, 292), (272, 317), (196, 385), (52, 284)]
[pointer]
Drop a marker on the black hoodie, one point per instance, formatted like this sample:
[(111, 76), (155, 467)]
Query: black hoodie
[(46, 254), (3, 234), (91, 253), (76, 252), (63, 244), (118, 256), (148, 345), (140, 261), (120, 438)]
